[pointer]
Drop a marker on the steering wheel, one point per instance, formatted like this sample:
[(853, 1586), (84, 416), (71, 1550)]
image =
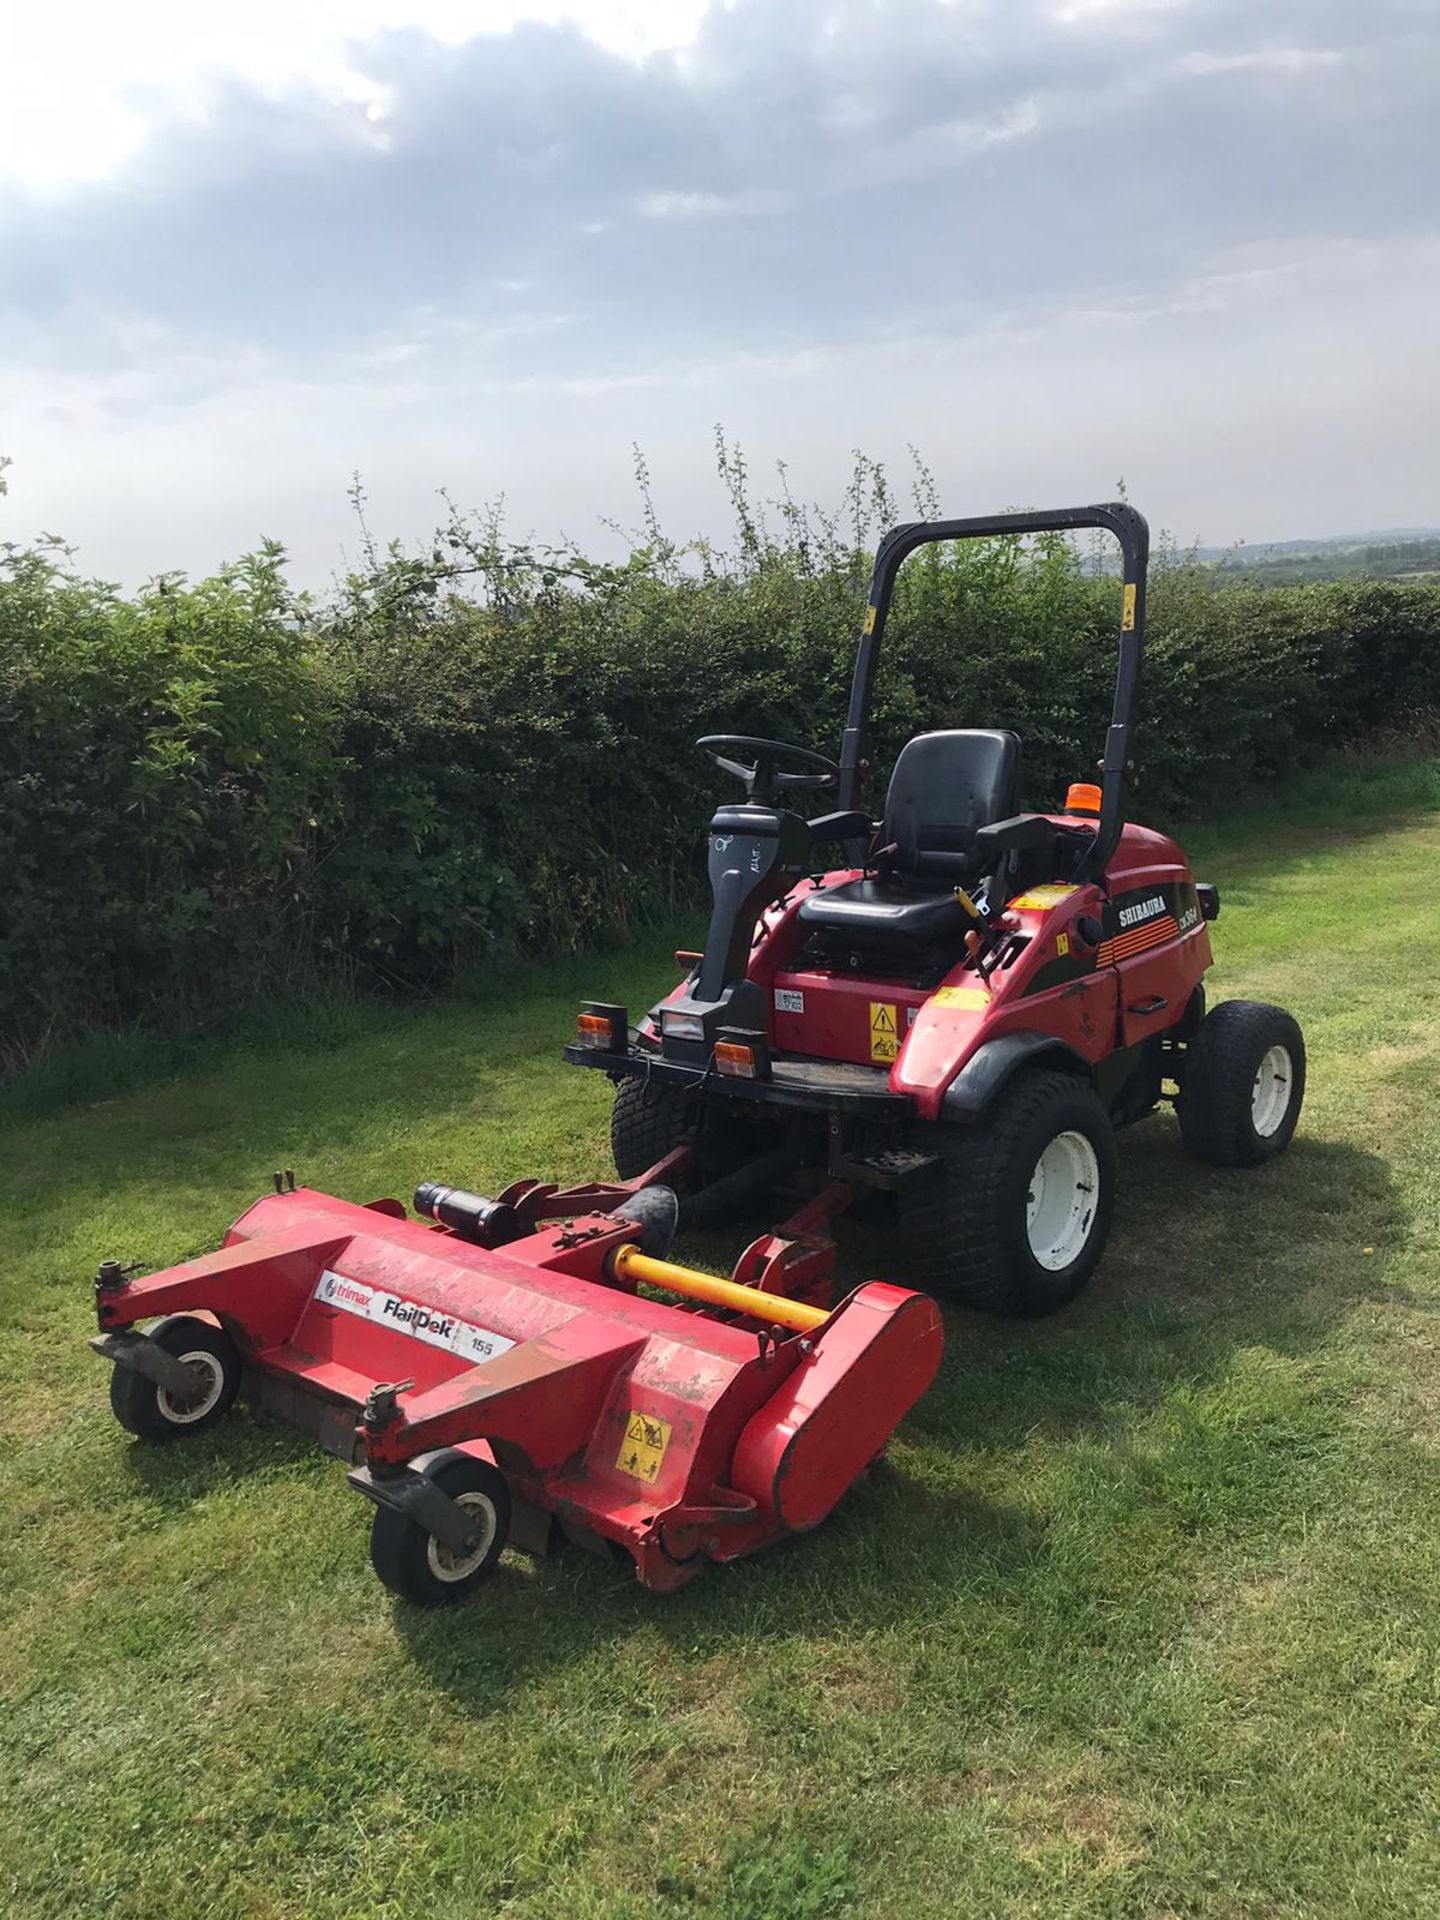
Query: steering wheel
[(762, 779)]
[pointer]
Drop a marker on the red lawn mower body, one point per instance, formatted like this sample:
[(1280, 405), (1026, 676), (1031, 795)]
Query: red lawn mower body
[(1095, 997), (957, 1002), (491, 1370)]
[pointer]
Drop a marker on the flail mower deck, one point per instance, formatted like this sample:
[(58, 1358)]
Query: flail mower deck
[(493, 1374)]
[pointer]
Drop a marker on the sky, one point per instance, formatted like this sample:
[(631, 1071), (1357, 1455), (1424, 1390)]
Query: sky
[(487, 246)]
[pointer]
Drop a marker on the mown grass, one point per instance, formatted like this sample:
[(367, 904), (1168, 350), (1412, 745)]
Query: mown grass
[(1140, 1617)]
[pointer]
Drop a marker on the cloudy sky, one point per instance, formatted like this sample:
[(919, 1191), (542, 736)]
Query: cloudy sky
[(250, 247)]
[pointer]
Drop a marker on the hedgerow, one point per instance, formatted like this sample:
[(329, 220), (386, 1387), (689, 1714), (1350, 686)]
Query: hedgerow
[(216, 790)]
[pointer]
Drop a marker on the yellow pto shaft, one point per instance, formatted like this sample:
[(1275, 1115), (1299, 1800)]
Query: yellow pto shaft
[(628, 1263)]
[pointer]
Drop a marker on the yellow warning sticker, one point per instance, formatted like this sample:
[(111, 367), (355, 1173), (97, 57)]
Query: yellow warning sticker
[(643, 1448), (869, 626), (1041, 899), (1127, 616), (1062, 943), (974, 999), (884, 1031)]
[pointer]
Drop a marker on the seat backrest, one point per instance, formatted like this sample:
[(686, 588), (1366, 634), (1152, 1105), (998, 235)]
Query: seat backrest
[(945, 787)]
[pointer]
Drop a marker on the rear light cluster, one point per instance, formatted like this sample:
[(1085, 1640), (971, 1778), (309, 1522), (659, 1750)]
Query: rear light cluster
[(739, 1053), (602, 1027), (742, 1055)]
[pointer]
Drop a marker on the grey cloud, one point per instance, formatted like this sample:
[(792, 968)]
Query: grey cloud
[(819, 216), (885, 163)]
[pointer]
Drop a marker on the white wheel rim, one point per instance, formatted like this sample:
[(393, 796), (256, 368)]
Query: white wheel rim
[(448, 1565), (1270, 1095), (184, 1413), (1062, 1200)]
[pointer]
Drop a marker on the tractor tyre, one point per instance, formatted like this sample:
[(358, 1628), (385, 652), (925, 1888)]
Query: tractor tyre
[(1243, 1084), (647, 1121), (1016, 1217), (411, 1562), (149, 1411)]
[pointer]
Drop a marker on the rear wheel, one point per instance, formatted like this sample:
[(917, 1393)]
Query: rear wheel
[(1244, 1084), (647, 1121), (1016, 1218)]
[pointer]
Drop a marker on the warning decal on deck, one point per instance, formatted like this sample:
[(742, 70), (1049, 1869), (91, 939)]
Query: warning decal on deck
[(643, 1448), (429, 1324), (884, 1031)]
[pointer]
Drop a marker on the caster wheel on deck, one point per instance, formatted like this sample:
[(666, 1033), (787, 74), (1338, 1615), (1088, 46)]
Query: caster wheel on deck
[(412, 1563), (152, 1412)]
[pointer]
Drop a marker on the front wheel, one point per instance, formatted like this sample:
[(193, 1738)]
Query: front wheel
[(1244, 1083), (1016, 1217)]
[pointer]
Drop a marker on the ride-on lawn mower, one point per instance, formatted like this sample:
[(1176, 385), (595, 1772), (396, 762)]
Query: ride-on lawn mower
[(960, 1013), (966, 1006)]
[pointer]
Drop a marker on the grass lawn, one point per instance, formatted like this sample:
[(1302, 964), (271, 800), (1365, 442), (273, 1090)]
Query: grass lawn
[(1140, 1618)]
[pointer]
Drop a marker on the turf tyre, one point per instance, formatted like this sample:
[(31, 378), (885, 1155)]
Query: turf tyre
[(647, 1121), (147, 1410), (1221, 1105), (966, 1231), (412, 1563)]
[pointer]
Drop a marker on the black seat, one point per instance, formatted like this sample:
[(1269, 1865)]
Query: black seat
[(945, 788)]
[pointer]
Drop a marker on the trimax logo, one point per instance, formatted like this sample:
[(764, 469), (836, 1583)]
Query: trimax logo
[(348, 1292), (1142, 910)]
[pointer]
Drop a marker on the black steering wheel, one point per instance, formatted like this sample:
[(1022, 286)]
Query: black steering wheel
[(762, 779)]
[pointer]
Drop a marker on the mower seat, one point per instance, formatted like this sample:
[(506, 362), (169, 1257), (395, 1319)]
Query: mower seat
[(871, 907), (945, 788)]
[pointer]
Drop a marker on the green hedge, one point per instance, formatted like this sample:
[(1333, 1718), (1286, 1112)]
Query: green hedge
[(210, 792)]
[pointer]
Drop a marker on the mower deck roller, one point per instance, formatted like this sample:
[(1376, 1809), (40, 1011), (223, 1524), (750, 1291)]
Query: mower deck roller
[(485, 1393)]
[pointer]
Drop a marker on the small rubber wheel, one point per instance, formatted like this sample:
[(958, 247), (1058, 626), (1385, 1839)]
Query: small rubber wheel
[(413, 1563), (1244, 1084), (647, 1121), (1017, 1215), (152, 1412)]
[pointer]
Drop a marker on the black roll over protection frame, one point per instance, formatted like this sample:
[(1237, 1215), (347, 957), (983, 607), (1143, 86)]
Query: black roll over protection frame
[(1133, 534)]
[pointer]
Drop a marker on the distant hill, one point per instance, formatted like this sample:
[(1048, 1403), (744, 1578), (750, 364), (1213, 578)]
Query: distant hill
[(1390, 553)]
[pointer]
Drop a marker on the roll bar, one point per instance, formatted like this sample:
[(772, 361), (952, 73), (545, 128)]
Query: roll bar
[(1133, 534)]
